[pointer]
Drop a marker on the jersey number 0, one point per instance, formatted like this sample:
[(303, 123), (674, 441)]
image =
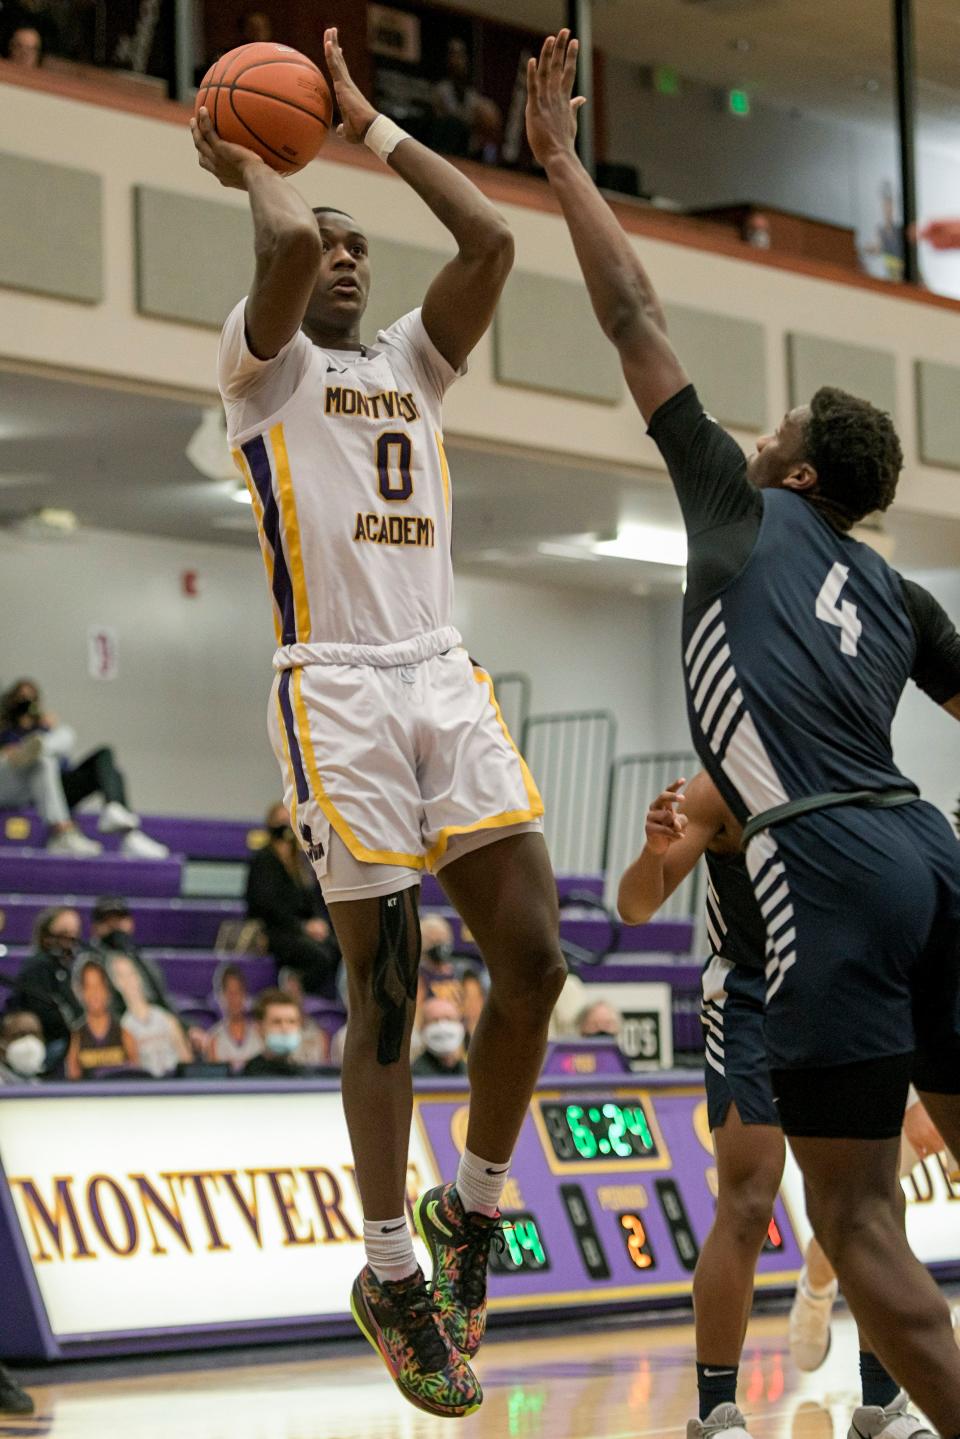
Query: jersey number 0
[(843, 614), (394, 456)]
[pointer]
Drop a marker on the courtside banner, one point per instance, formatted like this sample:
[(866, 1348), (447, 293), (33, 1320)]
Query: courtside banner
[(150, 1212)]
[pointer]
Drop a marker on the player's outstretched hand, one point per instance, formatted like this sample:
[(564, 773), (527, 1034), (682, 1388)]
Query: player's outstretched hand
[(921, 1131), (664, 825), (356, 112), (227, 163), (551, 105), (941, 234)]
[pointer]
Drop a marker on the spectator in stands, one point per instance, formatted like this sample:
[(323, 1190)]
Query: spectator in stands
[(314, 1047), (31, 778), (112, 929), (23, 1056), (98, 1042), (466, 122), (44, 985), (25, 48), (447, 975), (160, 1041), (283, 894), (24, 720), (236, 1039), (443, 1036), (599, 1020), (280, 1021)]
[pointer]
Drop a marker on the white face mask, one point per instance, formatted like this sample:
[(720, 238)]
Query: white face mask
[(27, 1055), (443, 1037)]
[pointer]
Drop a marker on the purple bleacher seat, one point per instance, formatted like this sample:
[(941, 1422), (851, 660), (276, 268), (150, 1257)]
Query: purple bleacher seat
[(203, 1016), (188, 973), (171, 923), (33, 871), (433, 897), (195, 838)]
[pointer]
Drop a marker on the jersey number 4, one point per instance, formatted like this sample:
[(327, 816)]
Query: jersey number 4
[(843, 613)]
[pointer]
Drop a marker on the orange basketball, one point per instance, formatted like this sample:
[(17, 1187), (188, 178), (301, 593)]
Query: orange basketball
[(271, 99)]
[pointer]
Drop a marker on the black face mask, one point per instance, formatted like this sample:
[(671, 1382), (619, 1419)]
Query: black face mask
[(281, 831), (60, 946), (116, 939), (24, 707)]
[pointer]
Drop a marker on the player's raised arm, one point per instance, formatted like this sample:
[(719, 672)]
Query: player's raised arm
[(675, 840), (460, 303), (625, 301), (286, 240)]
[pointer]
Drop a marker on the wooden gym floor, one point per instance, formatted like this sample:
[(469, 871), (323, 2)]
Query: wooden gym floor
[(610, 1382)]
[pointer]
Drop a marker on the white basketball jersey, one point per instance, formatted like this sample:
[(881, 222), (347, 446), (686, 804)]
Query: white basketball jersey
[(343, 456)]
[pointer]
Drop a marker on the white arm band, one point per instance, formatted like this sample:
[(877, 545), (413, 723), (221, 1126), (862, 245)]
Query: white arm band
[(384, 136)]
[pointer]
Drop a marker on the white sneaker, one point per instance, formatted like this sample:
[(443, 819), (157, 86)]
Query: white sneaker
[(894, 1422), (137, 845), (810, 1325), (725, 1419), (71, 842), (115, 818)]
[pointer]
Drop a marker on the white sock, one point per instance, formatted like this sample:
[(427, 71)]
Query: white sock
[(480, 1183), (389, 1247), (828, 1293)]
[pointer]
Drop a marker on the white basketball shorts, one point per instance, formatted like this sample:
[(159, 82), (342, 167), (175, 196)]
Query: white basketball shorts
[(395, 764)]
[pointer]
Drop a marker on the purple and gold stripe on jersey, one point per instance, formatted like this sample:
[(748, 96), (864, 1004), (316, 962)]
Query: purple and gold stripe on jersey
[(265, 467)]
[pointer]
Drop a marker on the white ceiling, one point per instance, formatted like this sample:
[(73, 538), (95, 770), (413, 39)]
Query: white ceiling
[(117, 460), (816, 55)]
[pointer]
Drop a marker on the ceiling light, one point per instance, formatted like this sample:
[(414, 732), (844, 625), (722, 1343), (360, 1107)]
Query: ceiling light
[(648, 543), (566, 552), (207, 448), (241, 495)]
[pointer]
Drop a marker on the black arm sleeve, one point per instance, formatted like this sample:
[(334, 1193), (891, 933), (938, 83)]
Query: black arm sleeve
[(936, 669), (721, 508)]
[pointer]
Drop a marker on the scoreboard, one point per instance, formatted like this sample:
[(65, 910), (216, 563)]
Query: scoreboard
[(611, 1196)]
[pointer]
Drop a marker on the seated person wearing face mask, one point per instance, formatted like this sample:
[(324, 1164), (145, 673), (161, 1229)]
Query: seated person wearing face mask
[(284, 895), (23, 1053), (599, 1020), (443, 1036), (30, 737), (98, 1042), (280, 1022), (112, 928), (44, 985)]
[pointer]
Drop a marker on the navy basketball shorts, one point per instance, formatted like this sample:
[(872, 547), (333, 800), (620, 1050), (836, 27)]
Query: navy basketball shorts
[(862, 908), (736, 1070)]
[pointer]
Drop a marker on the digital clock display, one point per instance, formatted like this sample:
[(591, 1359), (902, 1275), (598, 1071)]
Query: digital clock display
[(522, 1249), (602, 1130)]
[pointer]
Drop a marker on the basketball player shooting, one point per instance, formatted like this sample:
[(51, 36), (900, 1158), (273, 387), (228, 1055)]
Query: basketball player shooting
[(394, 754), (797, 644), (685, 823)]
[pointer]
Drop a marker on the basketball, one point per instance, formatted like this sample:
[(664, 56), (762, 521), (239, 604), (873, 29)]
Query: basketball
[(271, 99)]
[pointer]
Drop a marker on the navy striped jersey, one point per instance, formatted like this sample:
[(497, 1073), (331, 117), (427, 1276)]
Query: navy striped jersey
[(797, 639), (735, 925)]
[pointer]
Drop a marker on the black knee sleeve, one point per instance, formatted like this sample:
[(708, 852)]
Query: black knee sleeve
[(395, 971)]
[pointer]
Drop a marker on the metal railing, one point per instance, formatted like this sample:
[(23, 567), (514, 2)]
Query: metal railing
[(513, 696), (570, 756), (635, 780)]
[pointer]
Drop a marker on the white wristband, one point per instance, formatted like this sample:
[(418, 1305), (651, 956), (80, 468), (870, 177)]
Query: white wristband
[(383, 137)]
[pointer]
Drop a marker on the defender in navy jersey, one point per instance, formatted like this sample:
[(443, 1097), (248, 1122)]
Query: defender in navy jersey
[(798, 642), (685, 823)]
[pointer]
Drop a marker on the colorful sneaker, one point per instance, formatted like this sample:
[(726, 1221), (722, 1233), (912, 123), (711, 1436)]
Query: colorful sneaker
[(459, 1244), (401, 1322)]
